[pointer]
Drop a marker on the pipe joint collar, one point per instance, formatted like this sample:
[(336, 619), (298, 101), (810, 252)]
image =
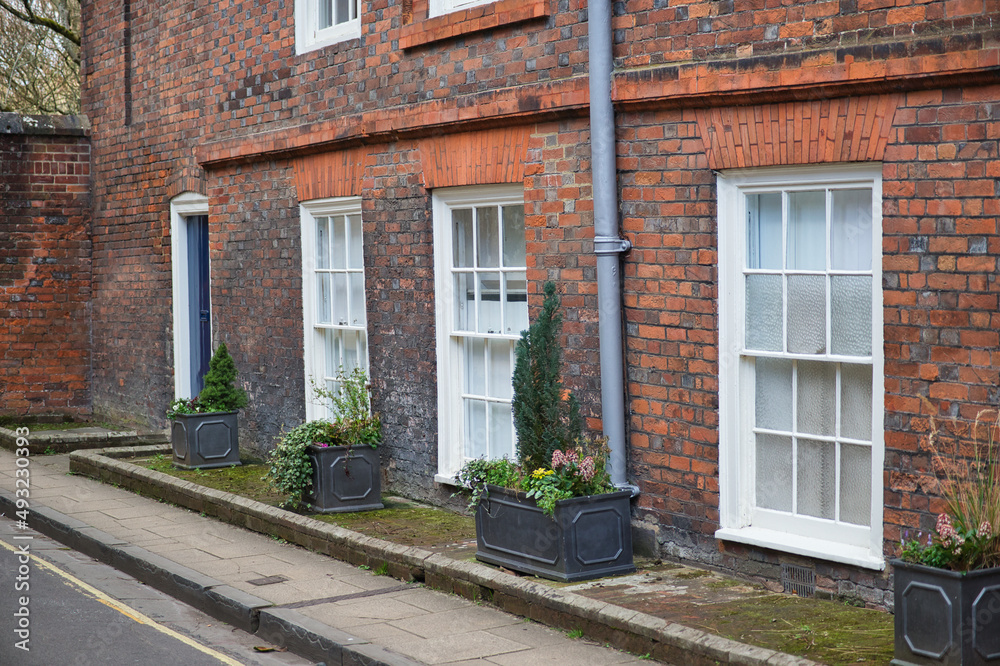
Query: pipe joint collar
[(629, 487), (611, 245)]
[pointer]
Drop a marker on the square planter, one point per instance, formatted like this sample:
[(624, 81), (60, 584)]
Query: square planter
[(205, 440), (587, 537), (344, 479), (946, 617)]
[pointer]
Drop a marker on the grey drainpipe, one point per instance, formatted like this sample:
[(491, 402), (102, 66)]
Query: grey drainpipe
[(608, 245)]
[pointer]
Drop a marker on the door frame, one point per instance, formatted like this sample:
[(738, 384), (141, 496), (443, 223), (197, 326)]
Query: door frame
[(182, 206)]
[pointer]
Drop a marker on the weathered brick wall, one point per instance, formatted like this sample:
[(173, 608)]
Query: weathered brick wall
[(44, 265)]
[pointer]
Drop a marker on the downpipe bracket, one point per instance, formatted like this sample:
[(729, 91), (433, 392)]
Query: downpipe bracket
[(611, 245)]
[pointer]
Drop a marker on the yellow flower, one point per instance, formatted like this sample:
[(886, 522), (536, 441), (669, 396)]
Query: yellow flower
[(541, 473)]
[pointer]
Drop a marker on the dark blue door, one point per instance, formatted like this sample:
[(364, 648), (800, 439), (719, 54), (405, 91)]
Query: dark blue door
[(198, 299)]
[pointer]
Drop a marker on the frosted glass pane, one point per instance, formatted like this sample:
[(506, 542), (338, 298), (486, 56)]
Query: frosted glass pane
[(338, 254), (465, 302), (501, 430), (774, 472), (500, 368), (322, 243), (851, 315), (357, 281), (806, 314), (476, 441), (815, 476), (807, 231), (340, 314), (488, 240), (475, 366), (856, 401), (855, 484), (514, 253), (764, 230), (462, 242), (516, 307), (773, 403), (817, 398), (851, 230), (355, 242), (489, 303), (323, 298), (763, 313)]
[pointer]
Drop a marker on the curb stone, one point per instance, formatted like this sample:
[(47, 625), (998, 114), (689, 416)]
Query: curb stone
[(65, 441), (626, 629), (298, 633)]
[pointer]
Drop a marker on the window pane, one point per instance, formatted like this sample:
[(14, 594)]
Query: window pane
[(489, 303), (763, 312), (851, 230), (465, 302), (475, 429), (773, 404), (764, 230), (322, 243), (807, 231), (462, 243), (343, 10), (339, 233), (357, 281), (355, 243), (815, 478), (806, 314), (352, 358), (340, 314), (855, 484), (334, 350), (500, 368), (325, 14), (488, 240), (856, 401), (774, 472), (816, 398), (501, 430), (475, 366), (514, 254), (323, 298), (516, 307), (851, 315)]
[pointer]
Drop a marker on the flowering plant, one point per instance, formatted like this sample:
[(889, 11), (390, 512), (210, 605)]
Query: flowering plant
[(966, 533)]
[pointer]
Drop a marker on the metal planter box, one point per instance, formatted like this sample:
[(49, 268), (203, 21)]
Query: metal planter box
[(206, 440), (344, 479), (946, 617), (587, 537)]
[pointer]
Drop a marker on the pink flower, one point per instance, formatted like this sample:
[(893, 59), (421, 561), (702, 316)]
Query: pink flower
[(587, 468), (559, 459), (985, 529)]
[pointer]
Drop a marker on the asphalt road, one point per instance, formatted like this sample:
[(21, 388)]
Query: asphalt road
[(68, 609)]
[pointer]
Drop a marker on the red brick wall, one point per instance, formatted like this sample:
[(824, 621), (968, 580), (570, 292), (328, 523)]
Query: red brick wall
[(44, 266)]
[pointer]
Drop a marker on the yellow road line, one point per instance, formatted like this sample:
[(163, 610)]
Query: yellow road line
[(127, 611)]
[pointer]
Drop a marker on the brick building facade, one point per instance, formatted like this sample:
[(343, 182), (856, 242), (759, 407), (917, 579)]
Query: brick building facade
[(419, 142)]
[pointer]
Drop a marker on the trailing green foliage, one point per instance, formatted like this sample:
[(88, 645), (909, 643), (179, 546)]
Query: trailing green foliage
[(220, 393), (476, 474), (546, 416), (354, 423)]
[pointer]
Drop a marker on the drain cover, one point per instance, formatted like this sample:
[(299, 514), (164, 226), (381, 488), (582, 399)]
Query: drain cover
[(798, 580), (268, 580)]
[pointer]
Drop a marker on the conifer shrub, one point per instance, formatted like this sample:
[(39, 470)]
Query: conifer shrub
[(220, 393)]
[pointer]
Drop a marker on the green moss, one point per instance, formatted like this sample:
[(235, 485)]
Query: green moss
[(688, 575), (72, 425)]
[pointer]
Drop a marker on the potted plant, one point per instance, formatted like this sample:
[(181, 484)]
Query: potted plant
[(205, 429), (333, 466), (947, 584), (554, 513)]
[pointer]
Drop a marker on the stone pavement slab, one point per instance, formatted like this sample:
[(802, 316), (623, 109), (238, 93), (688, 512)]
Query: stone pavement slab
[(392, 623)]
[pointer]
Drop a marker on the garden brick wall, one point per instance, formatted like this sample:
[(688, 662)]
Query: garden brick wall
[(44, 265), (221, 105)]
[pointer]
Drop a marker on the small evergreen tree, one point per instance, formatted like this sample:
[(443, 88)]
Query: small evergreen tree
[(545, 419), (219, 394)]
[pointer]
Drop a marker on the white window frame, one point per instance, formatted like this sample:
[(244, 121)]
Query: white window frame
[(441, 7), (308, 37), (182, 206), (449, 356), (822, 539), (313, 358)]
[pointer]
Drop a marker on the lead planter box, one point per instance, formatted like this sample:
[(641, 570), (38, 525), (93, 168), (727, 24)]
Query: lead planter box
[(946, 617), (587, 537), (344, 479), (204, 441)]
